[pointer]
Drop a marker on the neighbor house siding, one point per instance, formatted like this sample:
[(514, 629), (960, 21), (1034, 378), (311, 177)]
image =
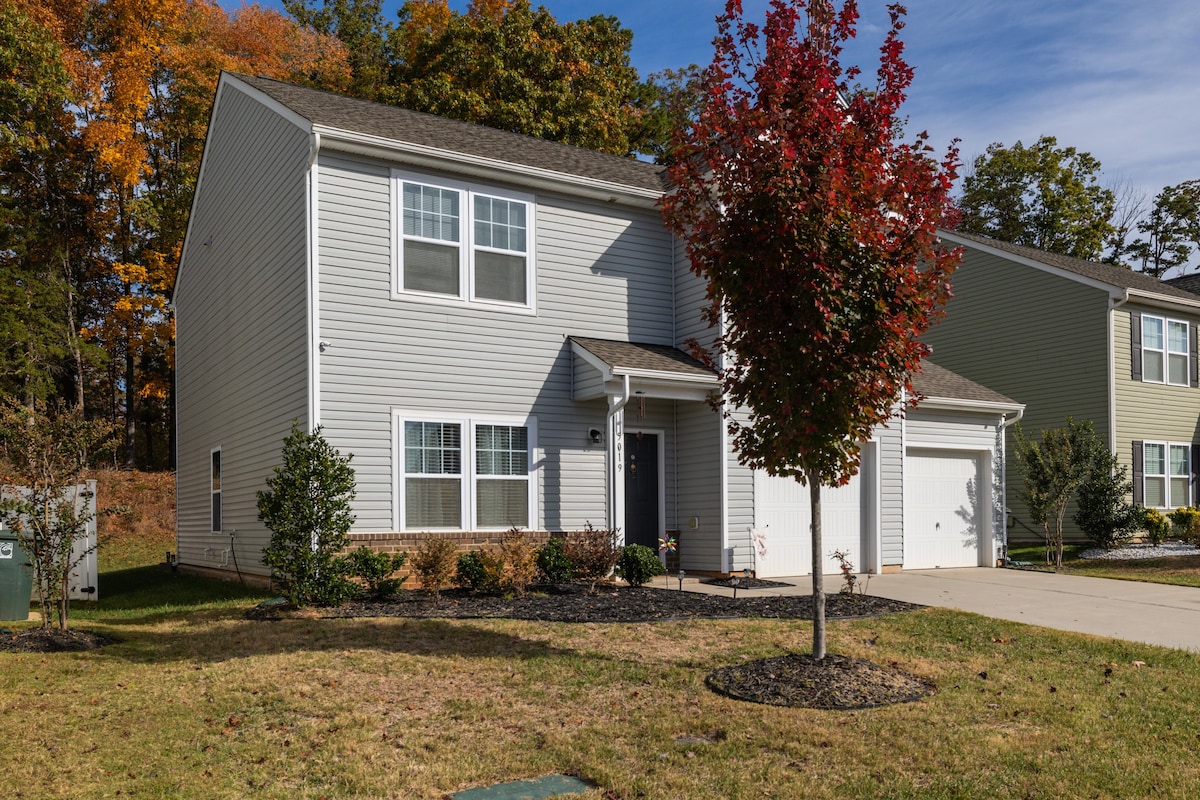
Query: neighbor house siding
[(1150, 411), (601, 272), (1038, 338), (241, 326)]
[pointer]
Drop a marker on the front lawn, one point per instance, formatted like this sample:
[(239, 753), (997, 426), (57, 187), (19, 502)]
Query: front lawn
[(196, 701), (1175, 570)]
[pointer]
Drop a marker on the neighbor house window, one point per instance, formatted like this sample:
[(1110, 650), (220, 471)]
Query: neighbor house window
[(465, 474), (459, 242), (215, 479), (1165, 351), (1167, 473)]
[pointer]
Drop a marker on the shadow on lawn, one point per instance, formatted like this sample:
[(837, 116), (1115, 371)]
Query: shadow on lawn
[(217, 640)]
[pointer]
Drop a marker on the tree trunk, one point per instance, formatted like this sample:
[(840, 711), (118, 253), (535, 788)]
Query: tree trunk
[(130, 407), (818, 568)]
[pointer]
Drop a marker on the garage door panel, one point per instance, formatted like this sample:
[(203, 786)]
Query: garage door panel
[(945, 519), (783, 516)]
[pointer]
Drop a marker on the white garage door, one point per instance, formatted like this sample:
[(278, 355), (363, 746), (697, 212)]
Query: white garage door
[(945, 519), (782, 515)]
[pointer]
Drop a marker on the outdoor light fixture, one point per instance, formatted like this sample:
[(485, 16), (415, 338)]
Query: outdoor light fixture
[(594, 435), (735, 581), (681, 577)]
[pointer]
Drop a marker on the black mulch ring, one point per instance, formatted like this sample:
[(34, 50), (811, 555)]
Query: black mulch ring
[(52, 640), (572, 603), (746, 583), (834, 682)]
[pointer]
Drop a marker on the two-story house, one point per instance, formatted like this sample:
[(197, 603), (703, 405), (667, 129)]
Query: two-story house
[(493, 326), (1074, 338)]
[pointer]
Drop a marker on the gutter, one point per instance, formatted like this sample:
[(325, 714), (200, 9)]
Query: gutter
[(1113, 305)]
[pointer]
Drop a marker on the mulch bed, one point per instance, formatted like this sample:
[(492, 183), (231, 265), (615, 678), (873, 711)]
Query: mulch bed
[(834, 682), (51, 640), (572, 603)]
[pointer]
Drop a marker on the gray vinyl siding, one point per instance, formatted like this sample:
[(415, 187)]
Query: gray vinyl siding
[(690, 300), (601, 272), (889, 439), (740, 505), (1038, 338), (699, 481), (240, 306), (1150, 411)]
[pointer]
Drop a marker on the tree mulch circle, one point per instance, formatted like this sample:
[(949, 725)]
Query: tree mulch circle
[(835, 682), (52, 640)]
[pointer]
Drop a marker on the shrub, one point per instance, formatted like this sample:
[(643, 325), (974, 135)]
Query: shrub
[(593, 553), (1104, 515), (479, 571), (1154, 524), (637, 564), (434, 563), (307, 508), (376, 570), (518, 562), (552, 561), (1185, 522)]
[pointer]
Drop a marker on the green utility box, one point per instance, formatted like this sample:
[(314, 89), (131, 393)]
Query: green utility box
[(16, 578)]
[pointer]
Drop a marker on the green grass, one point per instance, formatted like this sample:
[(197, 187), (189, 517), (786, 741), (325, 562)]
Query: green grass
[(1173, 570), (195, 701)]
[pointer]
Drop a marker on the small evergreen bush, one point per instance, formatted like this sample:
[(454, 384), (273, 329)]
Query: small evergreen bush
[(434, 563), (1185, 523), (637, 564), (307, 508), (552, 561), (376, 570), (477, 571), (1104, 515), (1154, 524)]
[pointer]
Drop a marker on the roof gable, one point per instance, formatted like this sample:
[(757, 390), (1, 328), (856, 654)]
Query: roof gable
[(367, 118), (1087, 271)]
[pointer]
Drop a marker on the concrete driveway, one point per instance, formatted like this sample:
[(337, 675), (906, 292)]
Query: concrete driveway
[(1139, 612)]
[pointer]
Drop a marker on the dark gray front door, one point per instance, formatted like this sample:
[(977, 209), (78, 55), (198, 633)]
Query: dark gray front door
[(641, 489)]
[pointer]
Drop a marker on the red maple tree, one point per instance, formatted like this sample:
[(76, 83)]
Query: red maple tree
[(816, 230)]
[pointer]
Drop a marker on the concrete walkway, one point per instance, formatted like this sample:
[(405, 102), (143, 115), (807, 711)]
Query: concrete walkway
[(1140, 612)]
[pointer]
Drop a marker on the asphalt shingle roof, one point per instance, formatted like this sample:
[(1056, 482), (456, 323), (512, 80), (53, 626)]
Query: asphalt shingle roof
[(1104, 273), (934, 381), (401, 124), (635, 355), (1189, 283)]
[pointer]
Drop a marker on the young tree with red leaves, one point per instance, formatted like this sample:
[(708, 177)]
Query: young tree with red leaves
[(817, 233)]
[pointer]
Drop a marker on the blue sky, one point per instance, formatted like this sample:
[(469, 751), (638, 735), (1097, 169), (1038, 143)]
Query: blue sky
[(1116, 78)]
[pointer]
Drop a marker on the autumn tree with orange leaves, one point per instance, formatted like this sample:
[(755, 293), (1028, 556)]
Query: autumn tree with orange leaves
[(128, 128)]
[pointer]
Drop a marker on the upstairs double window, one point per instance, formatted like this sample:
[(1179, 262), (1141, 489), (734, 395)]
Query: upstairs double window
[(1164, 350), (461, 243)]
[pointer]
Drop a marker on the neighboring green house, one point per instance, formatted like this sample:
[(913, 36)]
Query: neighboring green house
[(1074, 338)]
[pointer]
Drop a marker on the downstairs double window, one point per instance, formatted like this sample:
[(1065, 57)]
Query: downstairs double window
[(465, 474)]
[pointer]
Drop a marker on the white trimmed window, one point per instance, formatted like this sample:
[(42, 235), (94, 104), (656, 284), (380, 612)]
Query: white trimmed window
[(1165, 351), (1167, 474), (465, 474), (214, 474), (462, 243)]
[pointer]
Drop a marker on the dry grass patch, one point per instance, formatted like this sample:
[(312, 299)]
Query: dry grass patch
[(214, 706)]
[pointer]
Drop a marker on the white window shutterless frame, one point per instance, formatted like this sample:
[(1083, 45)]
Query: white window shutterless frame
[(465, 474), (461, 243)]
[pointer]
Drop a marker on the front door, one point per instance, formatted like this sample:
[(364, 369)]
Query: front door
[(641, 489)]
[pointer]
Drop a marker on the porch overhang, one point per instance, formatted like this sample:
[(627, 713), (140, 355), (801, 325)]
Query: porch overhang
[(605, 368)]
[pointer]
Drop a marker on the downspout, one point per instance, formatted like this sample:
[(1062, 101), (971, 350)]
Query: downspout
[(615, 406), (1005, 424), (1113, 305), (314, 359)]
